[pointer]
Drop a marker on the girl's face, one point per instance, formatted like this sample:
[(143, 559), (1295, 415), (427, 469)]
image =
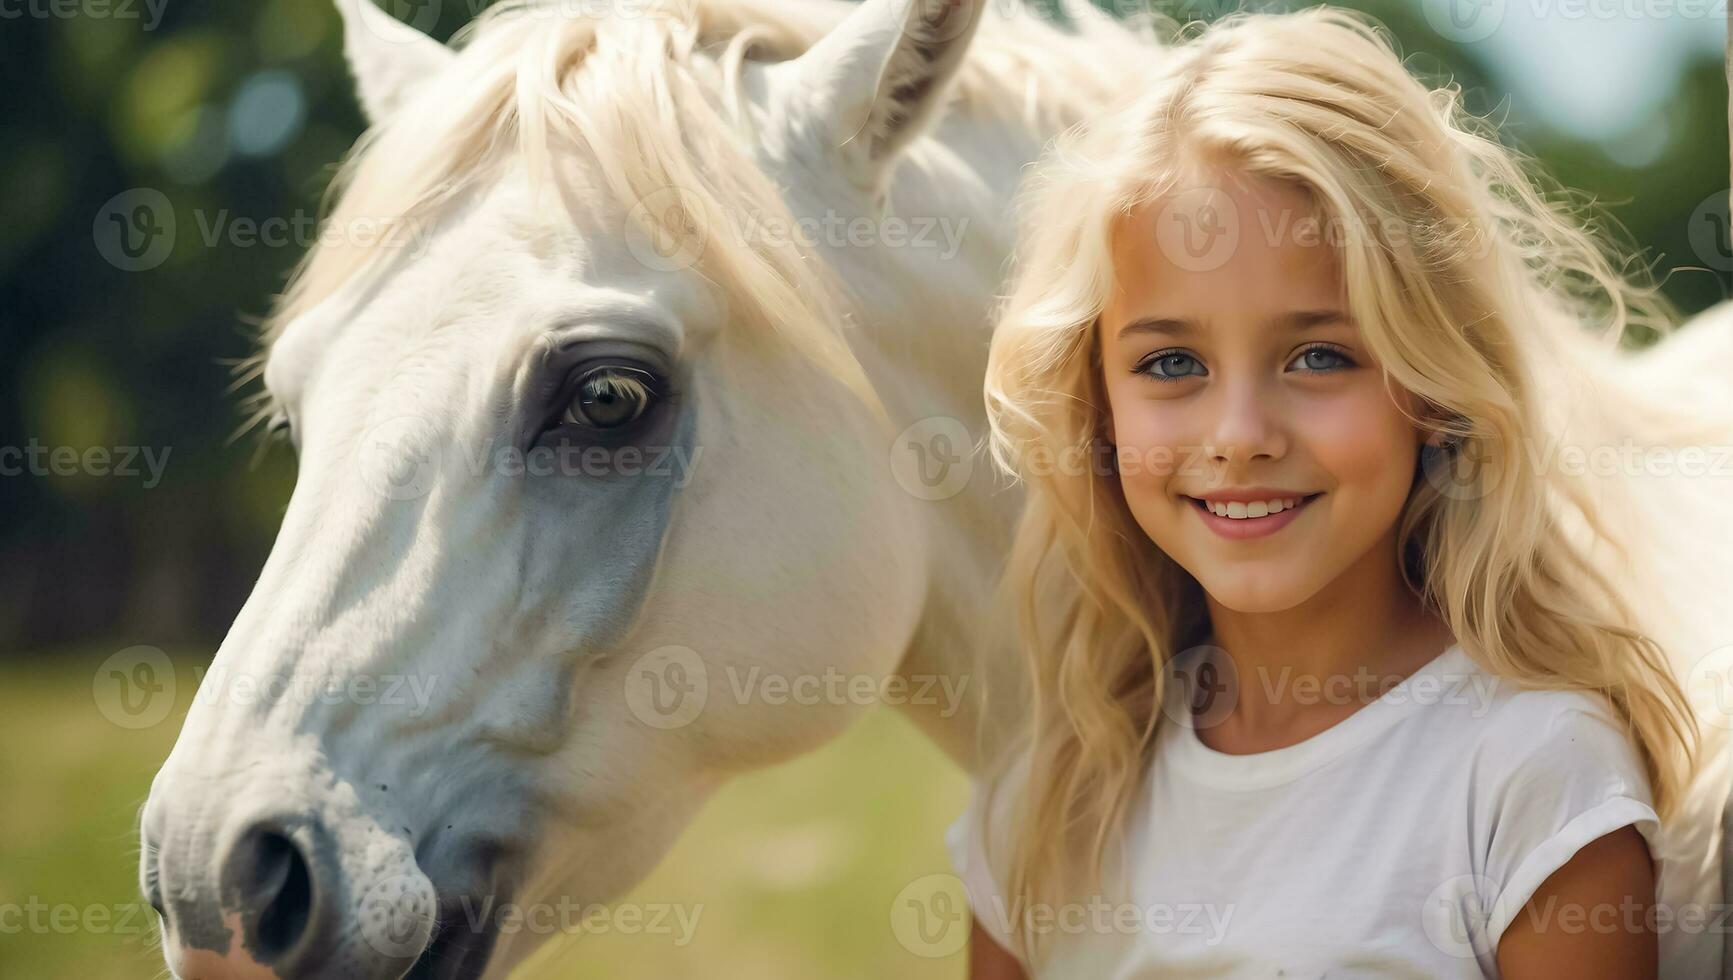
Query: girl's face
[(1235, 377)]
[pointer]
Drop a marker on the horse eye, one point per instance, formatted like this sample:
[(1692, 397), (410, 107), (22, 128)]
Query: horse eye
[(611, 397)]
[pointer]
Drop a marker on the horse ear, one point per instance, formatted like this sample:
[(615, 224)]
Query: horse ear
[(390, 59), (874, 83)]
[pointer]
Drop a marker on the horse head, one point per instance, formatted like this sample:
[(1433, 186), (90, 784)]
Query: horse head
[(582, 440)]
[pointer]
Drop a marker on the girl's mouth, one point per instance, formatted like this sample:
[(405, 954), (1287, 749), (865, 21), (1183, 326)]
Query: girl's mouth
[(1255, 520)]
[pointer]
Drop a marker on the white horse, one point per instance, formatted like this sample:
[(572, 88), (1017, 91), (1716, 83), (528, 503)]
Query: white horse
[(642, 355), (591, 432)]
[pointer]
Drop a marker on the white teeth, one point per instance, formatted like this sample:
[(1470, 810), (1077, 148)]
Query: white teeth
[(1257, 508)]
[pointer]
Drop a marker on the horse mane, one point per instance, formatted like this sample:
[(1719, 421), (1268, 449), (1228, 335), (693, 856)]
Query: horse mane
[(653, 92)]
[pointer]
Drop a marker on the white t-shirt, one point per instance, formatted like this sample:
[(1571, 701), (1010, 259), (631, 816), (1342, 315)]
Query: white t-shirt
[(1400, 842)]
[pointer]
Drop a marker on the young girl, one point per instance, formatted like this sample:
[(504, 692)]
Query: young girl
[(1321, 687)]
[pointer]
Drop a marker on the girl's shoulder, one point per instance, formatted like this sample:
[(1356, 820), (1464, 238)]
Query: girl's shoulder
[(1529, 754), (1546, 772), (1519, 731)]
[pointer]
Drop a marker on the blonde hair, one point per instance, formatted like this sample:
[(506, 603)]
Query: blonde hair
[(1493, 292)]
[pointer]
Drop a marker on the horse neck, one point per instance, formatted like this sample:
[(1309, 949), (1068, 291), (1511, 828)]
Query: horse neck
[(927, 324)]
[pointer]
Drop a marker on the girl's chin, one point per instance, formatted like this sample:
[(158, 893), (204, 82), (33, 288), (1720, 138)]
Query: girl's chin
[(1256, 590)]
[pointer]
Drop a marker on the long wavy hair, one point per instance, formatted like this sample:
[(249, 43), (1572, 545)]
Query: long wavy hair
[(1477, 286)]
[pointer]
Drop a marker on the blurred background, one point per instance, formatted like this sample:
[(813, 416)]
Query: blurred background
[(130, 515)]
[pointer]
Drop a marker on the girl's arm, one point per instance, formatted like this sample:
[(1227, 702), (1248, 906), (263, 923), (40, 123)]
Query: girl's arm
[(988, 960), (1590, 918)]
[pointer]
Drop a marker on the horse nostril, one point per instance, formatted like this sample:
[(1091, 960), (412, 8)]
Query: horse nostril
[(273, 883), (285, 917)]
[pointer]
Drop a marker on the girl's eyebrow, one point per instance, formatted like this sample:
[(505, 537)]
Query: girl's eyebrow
[(1185, 326)]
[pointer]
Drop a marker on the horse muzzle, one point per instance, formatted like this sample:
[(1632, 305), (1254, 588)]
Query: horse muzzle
[(312, 890)]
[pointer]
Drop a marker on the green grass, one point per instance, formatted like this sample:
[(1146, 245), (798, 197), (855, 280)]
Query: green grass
[(792, 872)]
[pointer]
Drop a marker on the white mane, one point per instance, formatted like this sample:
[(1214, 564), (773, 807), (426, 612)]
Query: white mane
[(652, 92)]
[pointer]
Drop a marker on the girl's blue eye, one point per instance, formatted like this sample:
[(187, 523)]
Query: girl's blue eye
[(1322, 359), (1170, 366), (1174, 365)]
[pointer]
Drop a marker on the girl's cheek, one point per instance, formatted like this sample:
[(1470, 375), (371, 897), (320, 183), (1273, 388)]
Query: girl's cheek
[(1358, 439), (1154, 452), (1152, 440)]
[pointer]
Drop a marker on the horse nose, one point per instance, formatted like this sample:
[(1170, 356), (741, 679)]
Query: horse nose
[(278, 880), (278, 900)]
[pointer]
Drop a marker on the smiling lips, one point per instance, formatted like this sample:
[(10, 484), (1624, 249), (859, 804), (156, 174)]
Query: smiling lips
[(1251, 518)]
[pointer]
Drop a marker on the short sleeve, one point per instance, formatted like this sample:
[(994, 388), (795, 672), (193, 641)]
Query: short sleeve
[(968, 856), (1575, 779)]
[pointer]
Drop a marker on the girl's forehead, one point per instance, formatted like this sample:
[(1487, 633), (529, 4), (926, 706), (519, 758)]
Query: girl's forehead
[(1231, 247)]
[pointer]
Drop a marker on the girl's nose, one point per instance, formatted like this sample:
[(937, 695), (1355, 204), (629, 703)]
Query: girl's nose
[(1247, 424)]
